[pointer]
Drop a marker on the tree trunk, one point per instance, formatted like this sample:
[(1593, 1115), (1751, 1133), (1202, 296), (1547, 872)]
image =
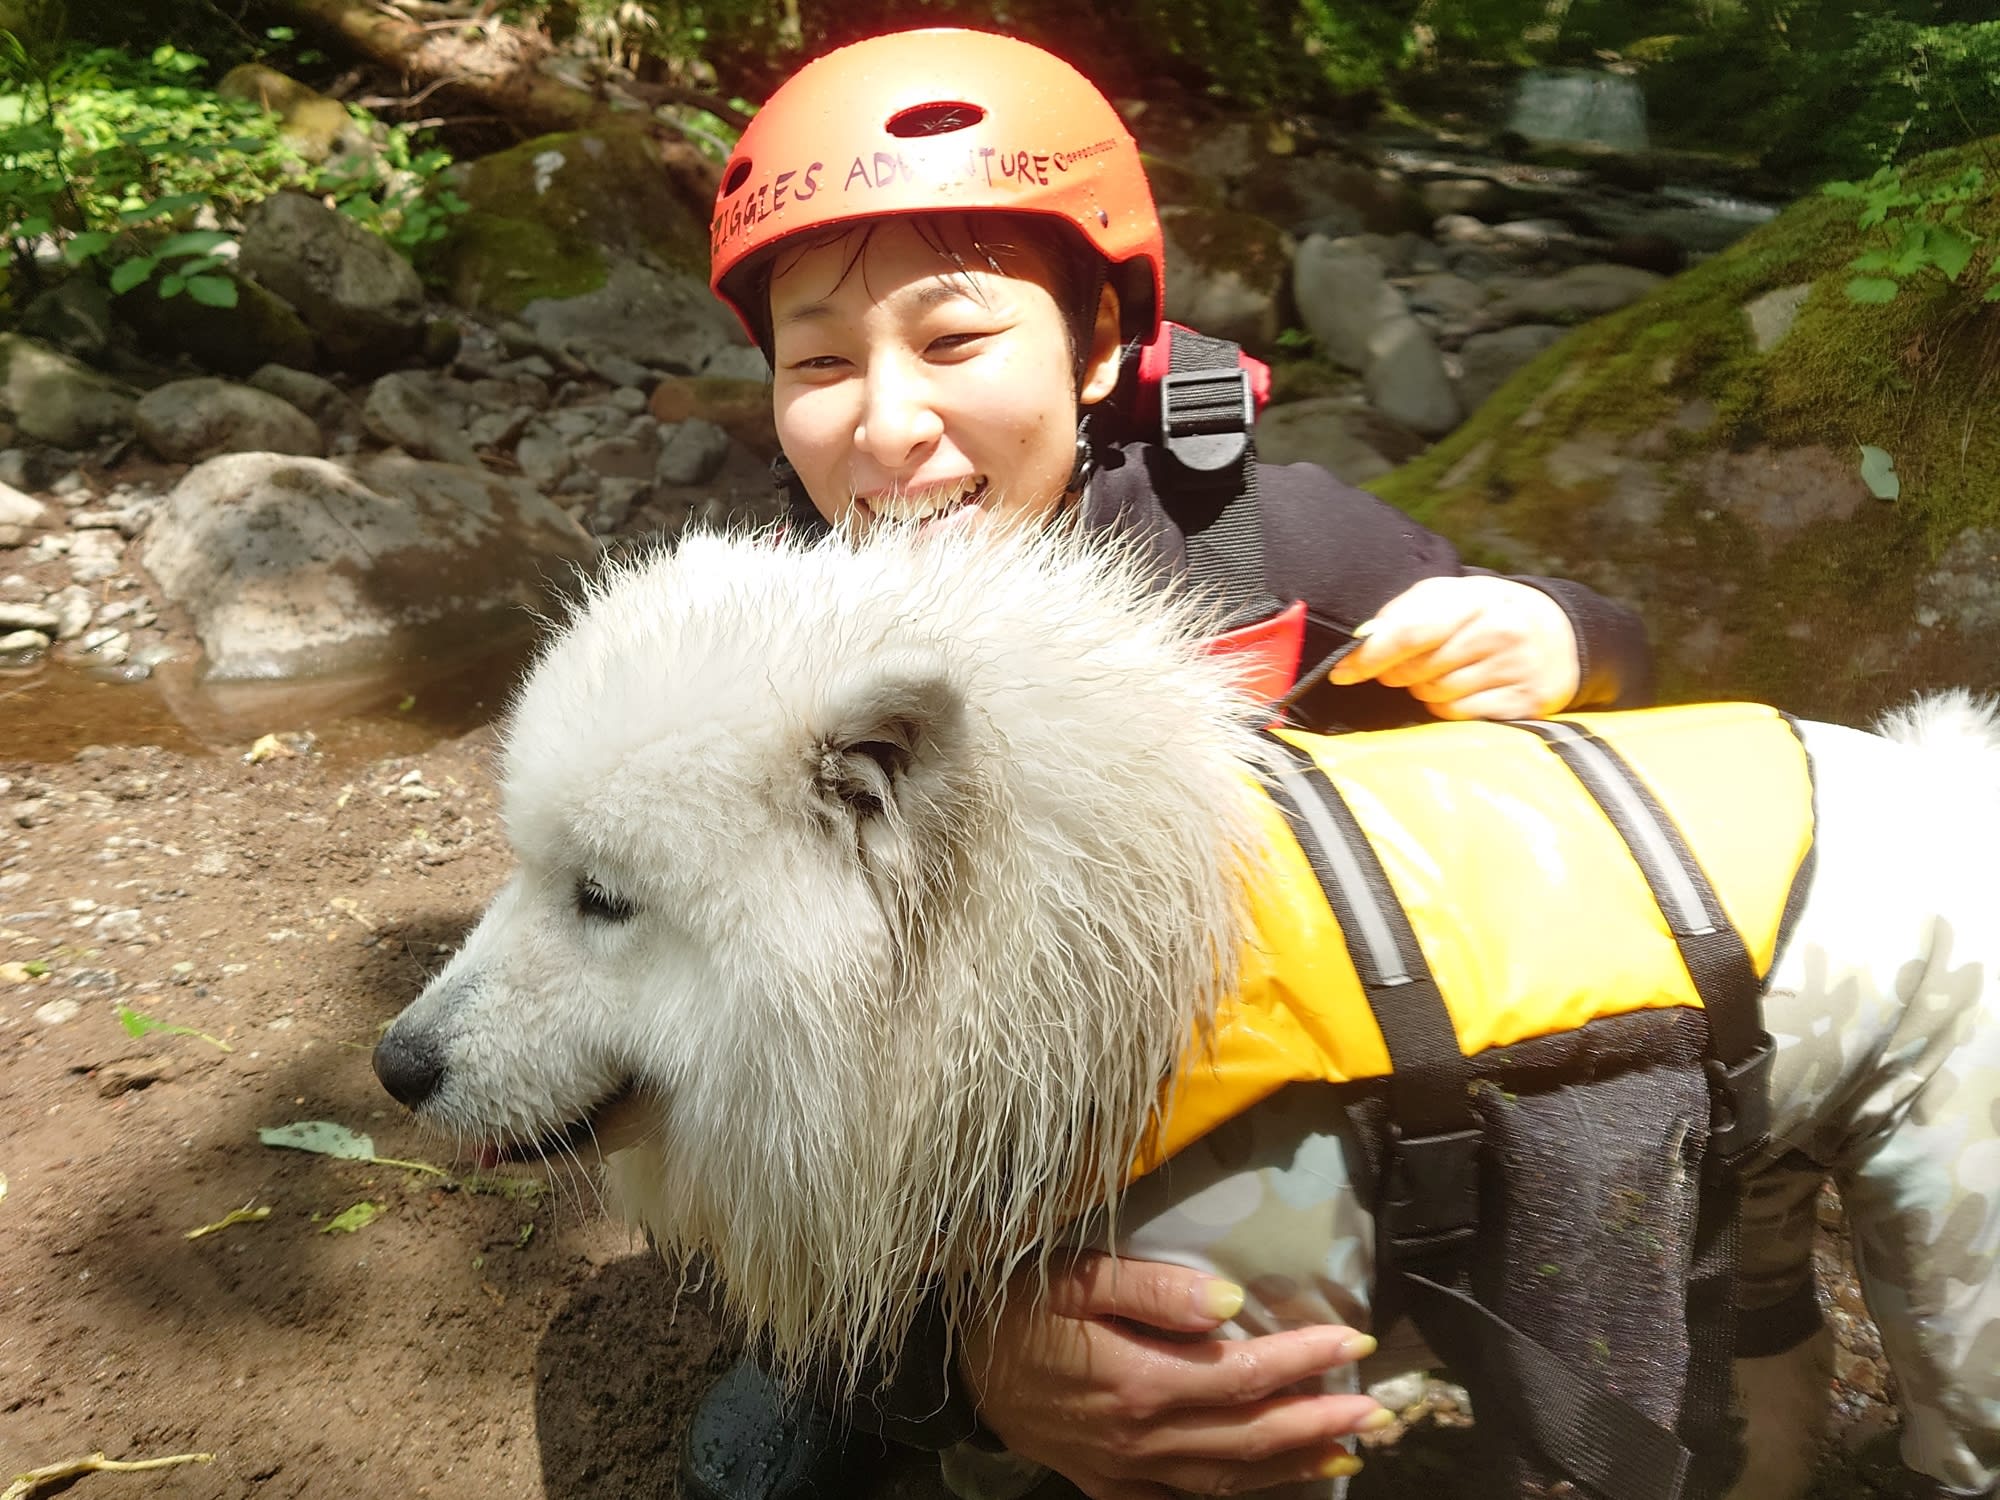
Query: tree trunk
[(500, 69)]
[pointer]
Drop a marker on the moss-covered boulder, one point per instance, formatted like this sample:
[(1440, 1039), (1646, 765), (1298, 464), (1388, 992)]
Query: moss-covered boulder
[(583, 237), (548, 215), (1699, 454)]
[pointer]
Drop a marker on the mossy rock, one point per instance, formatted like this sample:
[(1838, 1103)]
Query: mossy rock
[(549, 215), (261, 329), (491, 263), (1660, 454), (1178, 186)]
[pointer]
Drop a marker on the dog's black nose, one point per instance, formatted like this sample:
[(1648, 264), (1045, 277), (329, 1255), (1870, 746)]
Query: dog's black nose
[(410, 1064)]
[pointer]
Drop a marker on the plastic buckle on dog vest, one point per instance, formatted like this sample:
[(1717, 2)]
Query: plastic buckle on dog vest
[(1739, 1107), (1206, 417), (1430, 1191)]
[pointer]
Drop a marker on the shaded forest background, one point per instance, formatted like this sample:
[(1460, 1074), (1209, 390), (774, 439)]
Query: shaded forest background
[(111, 121)]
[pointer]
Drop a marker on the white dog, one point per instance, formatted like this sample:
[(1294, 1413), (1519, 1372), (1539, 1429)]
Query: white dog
[(868, 892)]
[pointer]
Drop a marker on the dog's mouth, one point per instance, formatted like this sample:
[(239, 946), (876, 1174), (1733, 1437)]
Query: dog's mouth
[(616, 1121)]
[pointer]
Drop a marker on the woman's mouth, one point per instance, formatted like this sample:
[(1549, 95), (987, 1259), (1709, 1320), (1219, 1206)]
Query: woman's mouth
[(929, 504)]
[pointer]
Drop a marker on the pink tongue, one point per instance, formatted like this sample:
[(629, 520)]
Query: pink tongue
[(488, 1158), (965, 515)]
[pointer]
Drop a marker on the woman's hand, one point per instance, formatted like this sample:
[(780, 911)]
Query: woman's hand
[(1471, 648), (1079, 1381)]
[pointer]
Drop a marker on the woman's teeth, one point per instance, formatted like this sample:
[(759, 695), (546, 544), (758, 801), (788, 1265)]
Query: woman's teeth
[(925, 505)]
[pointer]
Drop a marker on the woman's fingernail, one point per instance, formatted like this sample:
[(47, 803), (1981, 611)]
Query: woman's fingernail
[(1362, 631), (1222, 1299), (1340, 1466), (1359, 1345), (1376, 1420)]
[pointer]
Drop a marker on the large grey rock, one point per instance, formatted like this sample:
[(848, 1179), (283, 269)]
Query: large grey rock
[(1575, 295), (1406, 378), (693, 452), (1343, 298), (261, 328), (53, 399), (423, 413), (1226, 274), (186, 421), (75, 317), (362, 300), (17, 509), (1488, 360), (315, 395), (291, 566), (666, 321), (1339, 434)]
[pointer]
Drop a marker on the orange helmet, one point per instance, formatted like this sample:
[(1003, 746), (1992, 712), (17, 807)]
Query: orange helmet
[(939, 120)]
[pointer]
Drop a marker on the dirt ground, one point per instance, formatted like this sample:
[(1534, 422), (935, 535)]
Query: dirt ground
[(496, 1337)]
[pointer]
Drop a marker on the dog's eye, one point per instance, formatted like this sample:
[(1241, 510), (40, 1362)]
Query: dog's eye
[(595, 902)]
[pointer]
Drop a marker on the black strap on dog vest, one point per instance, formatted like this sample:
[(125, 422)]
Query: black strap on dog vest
[(1428, 1201), (1739, 1068), (1207, 412)]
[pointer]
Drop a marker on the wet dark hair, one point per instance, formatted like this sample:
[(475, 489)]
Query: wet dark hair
[(1077, 273)]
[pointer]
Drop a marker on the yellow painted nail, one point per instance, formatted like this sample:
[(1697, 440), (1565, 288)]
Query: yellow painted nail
[(1376, 1420), (1222, 1299), (1359, 1345), (1362, 631), (1341, 1466)]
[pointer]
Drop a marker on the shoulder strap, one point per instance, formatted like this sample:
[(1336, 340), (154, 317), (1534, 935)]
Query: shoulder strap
[(1207, 411)]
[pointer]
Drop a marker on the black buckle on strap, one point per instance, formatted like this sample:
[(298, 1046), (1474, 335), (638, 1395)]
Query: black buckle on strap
[(1206, 417), (1430, 1190), (1739, 1119)]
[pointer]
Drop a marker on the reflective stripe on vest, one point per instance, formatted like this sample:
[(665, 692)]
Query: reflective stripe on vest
[(1530, 910)]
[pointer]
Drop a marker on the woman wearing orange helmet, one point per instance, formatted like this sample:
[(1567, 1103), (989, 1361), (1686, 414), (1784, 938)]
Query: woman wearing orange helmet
[(945, 243)]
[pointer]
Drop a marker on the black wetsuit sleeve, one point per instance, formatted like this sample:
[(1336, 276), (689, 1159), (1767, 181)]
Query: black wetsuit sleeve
[(1346, 554)]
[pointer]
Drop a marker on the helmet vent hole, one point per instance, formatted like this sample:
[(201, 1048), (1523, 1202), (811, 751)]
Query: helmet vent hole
[(933, 119), (739, 173)]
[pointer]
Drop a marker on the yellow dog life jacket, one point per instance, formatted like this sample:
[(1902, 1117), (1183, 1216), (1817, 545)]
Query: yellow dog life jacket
[(1529, 906)]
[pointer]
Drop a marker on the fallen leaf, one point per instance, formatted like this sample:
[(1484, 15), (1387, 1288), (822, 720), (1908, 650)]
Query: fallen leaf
[(320, 1136), (234, 1216), (359, 1216)]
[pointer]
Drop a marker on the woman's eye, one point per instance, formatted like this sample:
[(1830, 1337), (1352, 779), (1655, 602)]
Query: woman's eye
[(597, 904), (955, 343)]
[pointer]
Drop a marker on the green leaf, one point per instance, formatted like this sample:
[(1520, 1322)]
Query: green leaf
[(137, 1023), (175, 203), (1992, 293), (322, 1137), (172, 286), (34, 228), (1950, 251), (193, 242), (130, 273), (1872, 289), (212, 291), (80, 249), (1878, 472), (360, 1216)]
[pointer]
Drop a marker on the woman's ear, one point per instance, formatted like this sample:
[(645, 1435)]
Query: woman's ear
[(1100, 368)]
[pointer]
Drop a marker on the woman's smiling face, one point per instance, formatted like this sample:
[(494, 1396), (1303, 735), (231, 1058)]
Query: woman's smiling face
[(914, 380)]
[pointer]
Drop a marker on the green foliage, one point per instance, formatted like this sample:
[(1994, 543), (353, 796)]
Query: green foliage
[(133, 168), (109, 156), (1819, 88), (1921, 232), (403, 195)]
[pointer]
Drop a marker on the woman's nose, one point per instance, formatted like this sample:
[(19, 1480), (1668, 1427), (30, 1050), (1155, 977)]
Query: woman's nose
[(898, 417)]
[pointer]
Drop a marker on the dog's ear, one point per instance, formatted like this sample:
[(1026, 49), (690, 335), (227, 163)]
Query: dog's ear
[(888, 748)]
